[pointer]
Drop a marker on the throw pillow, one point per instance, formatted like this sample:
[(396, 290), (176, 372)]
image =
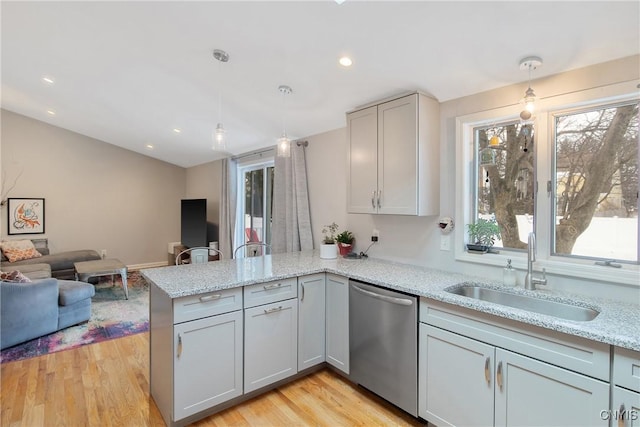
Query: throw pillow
[(17, 250), (14, 276)]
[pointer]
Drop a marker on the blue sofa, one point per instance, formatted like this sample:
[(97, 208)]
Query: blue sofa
[(44, 306)]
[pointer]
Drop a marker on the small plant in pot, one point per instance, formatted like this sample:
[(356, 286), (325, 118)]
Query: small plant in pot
[(345, 242), (482, 235), (328, 248)]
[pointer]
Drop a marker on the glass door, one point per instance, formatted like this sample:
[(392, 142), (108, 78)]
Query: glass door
[(255, 206)]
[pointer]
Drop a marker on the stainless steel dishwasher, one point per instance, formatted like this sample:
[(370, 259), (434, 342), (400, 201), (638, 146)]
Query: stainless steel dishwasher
[(383, 343)]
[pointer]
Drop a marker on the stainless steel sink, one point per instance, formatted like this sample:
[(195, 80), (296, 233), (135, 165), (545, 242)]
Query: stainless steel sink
[(523, 302)]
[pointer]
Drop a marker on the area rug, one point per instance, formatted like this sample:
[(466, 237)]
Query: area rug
[(112, 316)]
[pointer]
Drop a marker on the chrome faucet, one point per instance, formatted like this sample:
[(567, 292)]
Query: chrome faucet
[(531, 282)]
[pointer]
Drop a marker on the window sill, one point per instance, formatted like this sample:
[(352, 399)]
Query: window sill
[(627, 275)]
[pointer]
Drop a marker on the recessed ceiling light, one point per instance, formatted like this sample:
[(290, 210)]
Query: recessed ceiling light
[(48, 80), (149, 147), (345, 61), (51, 112), (339, 1), (176, 130)]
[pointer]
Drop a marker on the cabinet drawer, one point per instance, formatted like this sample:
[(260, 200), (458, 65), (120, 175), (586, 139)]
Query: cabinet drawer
[(626, 368), (209, 304), (265, 293)]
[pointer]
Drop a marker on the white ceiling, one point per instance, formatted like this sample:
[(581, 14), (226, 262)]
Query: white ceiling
[(128, 73)]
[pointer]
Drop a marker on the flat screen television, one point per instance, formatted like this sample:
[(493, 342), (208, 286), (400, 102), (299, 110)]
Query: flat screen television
[(193, 222)]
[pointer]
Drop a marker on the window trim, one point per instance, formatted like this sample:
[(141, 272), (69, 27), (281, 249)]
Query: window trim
[(546, 108)]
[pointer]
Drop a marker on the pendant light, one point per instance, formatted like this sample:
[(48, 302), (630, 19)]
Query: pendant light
[(529, 63), (284, 143), (219, 138)]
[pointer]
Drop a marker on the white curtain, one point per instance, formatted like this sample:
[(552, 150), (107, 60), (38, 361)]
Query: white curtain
[(291, 229), (227, 208)]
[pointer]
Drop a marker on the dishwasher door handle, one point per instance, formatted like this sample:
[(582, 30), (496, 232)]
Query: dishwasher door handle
[(393, 300)]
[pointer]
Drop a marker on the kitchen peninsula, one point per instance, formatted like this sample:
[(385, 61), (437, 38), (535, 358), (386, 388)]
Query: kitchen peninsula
[(214, 320)]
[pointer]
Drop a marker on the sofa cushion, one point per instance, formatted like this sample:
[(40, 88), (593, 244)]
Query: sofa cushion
[(71, 292), (18, 250), (63, 260), (14, 276), (32, 271)]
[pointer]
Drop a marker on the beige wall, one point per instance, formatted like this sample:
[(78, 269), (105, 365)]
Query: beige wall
[(203, 182), (97, 196)]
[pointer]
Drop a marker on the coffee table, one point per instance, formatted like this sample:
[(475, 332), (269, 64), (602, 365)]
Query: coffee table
[(102, 267)]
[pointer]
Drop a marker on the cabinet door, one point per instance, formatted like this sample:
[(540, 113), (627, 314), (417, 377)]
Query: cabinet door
[(362, 158), (626, 408), (534, 393), (207, 363), (398, 156), (455, 382), (337, 324), (271, 343), (311, 320)]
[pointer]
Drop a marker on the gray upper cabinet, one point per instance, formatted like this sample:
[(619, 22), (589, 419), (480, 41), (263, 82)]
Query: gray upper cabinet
[(394, 157)]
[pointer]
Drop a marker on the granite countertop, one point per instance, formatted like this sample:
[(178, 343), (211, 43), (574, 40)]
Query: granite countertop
[(618, 322)]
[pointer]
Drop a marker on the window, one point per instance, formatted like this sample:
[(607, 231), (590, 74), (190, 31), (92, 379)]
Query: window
[(255, 204), (571, 176), (596, 182), (505, 180)]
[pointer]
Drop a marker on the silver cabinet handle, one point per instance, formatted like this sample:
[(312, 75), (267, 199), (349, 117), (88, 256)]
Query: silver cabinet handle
[(210, 297), (269, 287), (179, 345), (302, 288), (621, 415), (379, 197), (273, 310), (499, 375), (399, 301), (373, 199), (487, 370)]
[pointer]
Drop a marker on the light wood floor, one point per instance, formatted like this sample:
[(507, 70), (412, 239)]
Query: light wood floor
[(107, 384)]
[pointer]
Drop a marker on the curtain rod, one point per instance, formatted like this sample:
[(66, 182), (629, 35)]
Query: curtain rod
[(253, 153), (266, 150)]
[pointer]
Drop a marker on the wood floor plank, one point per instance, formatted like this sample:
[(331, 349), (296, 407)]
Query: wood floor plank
[(107, 384)]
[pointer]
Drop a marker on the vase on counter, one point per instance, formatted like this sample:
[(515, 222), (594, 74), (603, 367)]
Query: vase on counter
[(344, 248), (328, 251)]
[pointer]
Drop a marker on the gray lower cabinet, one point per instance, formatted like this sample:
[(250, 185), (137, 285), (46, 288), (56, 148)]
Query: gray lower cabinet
[(473, 371), (311, 320), (195, 351), (211, 349), (625, 411), (455, 370), (465, 382), (531, 392), (270, 343), (337, 322)]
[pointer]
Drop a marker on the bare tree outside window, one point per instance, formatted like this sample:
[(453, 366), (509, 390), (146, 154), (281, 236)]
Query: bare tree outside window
[(596, 183), (506, 180)]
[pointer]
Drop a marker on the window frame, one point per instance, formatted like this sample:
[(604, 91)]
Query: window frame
[(241, 168), (544, 166)]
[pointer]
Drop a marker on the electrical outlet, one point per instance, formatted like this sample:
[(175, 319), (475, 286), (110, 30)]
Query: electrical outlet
[(375, 235), (103, 253), (445, 242)]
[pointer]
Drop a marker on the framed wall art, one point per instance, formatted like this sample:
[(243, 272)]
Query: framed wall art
[(26, 216)]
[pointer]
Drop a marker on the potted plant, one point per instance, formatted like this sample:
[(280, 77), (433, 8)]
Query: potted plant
[(482, 235), (328, 248), (345, 242)]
